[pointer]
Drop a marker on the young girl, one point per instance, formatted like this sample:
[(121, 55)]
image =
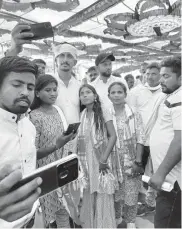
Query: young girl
[(130, 142), (96, 139), (50, 124)]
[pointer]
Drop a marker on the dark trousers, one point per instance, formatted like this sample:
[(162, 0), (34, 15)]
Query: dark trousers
[(168, 209), (145, 156)]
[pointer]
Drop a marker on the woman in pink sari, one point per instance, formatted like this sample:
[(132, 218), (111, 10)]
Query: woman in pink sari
[(96, 139)]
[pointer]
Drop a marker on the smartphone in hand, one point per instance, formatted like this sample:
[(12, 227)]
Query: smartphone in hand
[(54, 175), (72, 128), (40, 31)]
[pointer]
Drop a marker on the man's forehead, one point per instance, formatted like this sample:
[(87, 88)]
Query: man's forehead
[(22, 76)]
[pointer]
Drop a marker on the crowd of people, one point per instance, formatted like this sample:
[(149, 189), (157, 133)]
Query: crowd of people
[(129, 127)]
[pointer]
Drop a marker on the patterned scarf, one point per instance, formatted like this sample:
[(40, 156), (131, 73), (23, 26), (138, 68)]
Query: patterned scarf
[(130, 138), (98, 142)]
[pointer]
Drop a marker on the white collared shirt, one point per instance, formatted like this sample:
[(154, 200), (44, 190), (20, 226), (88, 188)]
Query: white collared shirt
[(68, 99), (102, 88), (142, 100), (169, 120), (17, 147)]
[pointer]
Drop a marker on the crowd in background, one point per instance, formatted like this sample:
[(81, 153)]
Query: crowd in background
[(129, 127)]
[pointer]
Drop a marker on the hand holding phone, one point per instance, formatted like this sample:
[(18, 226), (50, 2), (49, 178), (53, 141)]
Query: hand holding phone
[(15, 204), (72, 128), (63, 139), (39, 31), (53, 175)]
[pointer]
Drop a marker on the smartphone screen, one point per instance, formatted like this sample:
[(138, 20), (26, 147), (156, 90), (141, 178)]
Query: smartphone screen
[(72, 128)]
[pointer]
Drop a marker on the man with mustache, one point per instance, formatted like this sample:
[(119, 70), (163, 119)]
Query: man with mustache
[(143, 99), (68, 92), (165, 147), (17, 137), (103, 63)]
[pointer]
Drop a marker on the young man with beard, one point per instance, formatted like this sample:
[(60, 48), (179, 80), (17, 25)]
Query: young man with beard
[(17, 148), (165, 147), (105, 78), (68, 92)]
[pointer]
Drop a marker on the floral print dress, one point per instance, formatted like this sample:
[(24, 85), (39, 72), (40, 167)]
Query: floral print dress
[(48, 128)]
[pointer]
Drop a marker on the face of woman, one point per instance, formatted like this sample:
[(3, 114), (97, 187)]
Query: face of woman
[(87, 97), (48, 94), (117, 95)]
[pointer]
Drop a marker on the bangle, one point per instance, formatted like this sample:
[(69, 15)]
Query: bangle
[(138, 163)]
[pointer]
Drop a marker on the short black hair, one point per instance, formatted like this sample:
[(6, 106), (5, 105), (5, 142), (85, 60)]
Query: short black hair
[(116, 74), (153, 65), (144, 64), (39, 61), (174, 63), (16, 64), (93, 68), (128, 76)]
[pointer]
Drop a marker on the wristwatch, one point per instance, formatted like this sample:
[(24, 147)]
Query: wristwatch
[(138, 163)]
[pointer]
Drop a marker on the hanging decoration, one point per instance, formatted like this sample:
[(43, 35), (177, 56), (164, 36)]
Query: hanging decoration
[(145, 21), (42, 4), (92, 11)]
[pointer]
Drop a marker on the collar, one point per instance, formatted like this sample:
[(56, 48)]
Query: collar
[(153, 88), (5, 115), (108, 81), (174, 92), (72, 79)]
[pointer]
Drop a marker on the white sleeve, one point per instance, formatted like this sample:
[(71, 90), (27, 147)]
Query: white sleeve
[(132, 99)]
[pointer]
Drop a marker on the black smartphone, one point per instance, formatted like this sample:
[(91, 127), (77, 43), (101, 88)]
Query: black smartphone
[(72, 128), (54, 175), (40, 31)]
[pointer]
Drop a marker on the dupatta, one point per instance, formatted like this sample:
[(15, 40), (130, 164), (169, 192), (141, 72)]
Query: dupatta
[(95, 143)]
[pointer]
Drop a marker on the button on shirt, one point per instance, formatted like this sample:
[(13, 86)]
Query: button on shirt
[(17, 147), (169, 120), (102, 88), (68, 100)]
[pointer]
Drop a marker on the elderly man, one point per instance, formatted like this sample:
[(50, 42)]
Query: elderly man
[(68, 97)]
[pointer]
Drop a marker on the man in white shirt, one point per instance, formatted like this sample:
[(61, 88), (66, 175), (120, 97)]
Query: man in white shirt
[(165, 147), (17, 148), (143, 99), (91, 75), (105, 78), (68, 94)]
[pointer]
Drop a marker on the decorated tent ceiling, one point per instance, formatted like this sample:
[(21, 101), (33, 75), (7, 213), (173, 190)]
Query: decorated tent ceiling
[(134, 30)]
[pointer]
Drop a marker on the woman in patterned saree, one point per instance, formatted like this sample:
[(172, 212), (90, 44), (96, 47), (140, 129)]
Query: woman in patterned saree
[(96, 139), (50, 124), (130, 144)]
